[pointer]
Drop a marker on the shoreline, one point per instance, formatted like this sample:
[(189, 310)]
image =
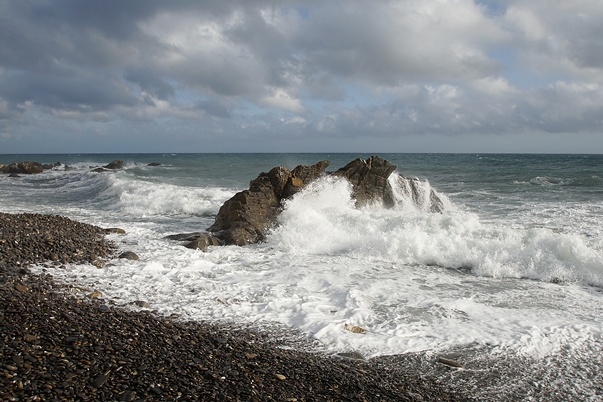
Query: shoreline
[(59, 346)]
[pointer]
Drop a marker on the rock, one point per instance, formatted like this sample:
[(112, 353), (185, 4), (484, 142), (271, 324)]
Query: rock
[(154, 164), (203, 242), (26, 167), (129, 255), (21, 288), (449, 362), (351, 355), (115, 231), (141, 304), (116, 164), (369, 180), (95, 295), (184, 236), (249, 214), (99, 170), (100, 380), (355, 329), (3, 168)]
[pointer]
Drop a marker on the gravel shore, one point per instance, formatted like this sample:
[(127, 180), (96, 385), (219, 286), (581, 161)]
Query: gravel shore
[(64, 343)]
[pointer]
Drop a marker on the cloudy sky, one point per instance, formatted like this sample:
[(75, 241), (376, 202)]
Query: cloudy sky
[(301, 76)]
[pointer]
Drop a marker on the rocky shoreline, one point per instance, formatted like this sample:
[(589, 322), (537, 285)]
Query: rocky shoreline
[(64, 343)]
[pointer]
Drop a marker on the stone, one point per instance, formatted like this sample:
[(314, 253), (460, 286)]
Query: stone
[(354, 328), (21, 288), (153, 164), (249, 214), (246, 217), (25, 167), (184, 236), (203, 242), (129, 255), (115, 231), (141, 304), (100, 380), (116, 164), (369, 180)]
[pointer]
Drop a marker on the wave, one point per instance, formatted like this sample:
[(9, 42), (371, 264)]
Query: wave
[(322, 220), (586, 181), (145, 198)]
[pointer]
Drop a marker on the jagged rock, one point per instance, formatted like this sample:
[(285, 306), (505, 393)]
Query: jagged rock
[(369, 180), (3, 168), (248, 215), (99, 170), (117, 164), (154, 164), (26, 167)]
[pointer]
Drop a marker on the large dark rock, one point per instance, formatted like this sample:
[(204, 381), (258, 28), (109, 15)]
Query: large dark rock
[(249, 214), (369, 179)]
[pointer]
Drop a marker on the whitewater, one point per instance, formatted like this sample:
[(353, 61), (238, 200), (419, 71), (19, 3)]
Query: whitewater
[(509, 276)]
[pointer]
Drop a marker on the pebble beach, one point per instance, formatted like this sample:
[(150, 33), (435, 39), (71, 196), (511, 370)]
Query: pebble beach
[(64, 343)]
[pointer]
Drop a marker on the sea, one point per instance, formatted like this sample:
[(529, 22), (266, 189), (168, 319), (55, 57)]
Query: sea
[(507, 281)]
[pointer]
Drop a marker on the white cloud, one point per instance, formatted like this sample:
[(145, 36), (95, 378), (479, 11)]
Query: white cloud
[(282, 100)]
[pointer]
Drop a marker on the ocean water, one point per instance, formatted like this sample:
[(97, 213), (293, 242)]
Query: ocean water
[(508, 279)]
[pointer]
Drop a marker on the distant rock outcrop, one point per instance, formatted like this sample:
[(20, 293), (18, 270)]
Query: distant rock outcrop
[(248, 216), (27, 167), (117, 164)]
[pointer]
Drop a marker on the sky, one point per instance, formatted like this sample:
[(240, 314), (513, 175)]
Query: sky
[(101, 76)]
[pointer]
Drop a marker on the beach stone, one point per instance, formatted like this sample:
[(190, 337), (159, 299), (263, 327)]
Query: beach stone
[(21, 288), (129, 255), (115, 231), (203, 241)]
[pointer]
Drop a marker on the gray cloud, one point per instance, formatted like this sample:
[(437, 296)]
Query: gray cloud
[(310, 69)]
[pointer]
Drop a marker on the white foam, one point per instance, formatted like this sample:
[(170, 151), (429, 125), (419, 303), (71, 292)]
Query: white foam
[(141, 198), (389, 271)]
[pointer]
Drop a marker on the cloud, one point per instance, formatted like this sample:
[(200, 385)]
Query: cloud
[(314, 69)]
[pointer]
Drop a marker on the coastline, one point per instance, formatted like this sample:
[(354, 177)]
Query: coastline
[(56, 345)]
